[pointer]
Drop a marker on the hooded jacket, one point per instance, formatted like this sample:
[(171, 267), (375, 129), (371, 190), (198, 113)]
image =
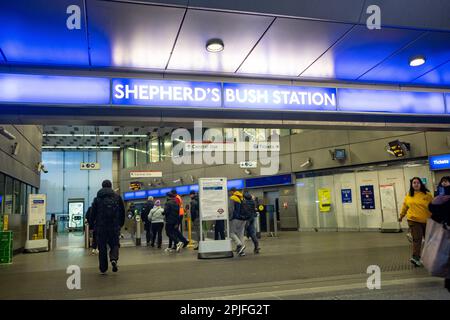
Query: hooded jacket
[(172, 211), (234, 205), (100, 217), (194, 208), (156, 215)]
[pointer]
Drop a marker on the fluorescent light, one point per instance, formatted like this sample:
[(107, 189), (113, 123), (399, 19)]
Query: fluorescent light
[(80, 147), (94, 135), (417, 61), (214, 45)]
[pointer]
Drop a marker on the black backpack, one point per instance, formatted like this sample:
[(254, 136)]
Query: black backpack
[(108, 209), (247, 210)]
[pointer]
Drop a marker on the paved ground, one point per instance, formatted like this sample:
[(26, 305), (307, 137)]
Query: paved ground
[(324, 265)]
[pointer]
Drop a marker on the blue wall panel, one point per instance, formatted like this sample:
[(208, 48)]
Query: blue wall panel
[(65, 180)]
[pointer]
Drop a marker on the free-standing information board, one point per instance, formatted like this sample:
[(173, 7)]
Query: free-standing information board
[(213, 205), (36, 237)]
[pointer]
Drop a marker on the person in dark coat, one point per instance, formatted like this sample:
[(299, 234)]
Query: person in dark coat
[(108, 216), (92, 228), (195, 219), (147, 223), (172, 217), (440, 212)]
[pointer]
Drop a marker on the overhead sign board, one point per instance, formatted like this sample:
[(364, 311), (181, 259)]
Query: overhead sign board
[(89, 166), (124, 92), (248, 164), (441, 162), (145, 174)]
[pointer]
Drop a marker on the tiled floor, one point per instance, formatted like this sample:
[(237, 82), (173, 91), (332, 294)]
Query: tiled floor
[(324, 265)]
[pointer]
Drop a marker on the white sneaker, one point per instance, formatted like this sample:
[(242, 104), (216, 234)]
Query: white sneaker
[(168, 250), (179, 246)]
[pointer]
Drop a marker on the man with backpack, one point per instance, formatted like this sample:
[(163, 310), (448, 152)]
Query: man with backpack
[(108, 216), (241, 210)]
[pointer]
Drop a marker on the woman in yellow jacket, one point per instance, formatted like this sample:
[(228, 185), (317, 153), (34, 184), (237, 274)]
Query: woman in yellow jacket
[(415, 208)]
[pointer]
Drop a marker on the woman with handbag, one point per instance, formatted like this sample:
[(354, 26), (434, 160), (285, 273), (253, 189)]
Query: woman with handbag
[(415, 208), (440, 209)]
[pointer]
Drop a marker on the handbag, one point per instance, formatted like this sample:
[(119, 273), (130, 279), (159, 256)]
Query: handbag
[(436, 250)]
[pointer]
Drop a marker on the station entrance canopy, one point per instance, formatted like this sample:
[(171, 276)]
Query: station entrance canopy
[(74, 97)]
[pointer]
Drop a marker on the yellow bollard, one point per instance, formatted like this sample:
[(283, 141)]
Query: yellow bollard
[(190, 245)]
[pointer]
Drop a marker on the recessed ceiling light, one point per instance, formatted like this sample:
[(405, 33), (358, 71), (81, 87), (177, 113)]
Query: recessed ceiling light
[(416, 61), (214, 45)]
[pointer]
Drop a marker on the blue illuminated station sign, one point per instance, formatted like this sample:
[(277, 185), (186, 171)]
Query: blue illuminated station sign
[(124, 92), (441, 162)]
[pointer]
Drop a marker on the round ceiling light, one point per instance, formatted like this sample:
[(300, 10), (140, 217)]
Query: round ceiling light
[(417, 61), (214, 45)]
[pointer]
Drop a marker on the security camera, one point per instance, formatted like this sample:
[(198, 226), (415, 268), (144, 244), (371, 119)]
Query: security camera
[(307, 163), (41, 167), (15, 149), (7, 134)]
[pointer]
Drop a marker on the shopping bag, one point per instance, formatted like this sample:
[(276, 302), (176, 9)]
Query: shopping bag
[(436, 250)]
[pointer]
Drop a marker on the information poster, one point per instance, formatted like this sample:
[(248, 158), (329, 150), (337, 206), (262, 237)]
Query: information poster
[(346, 195), (8, 204), (76, 213), (367, 197), (213, 197), (36, 209), (388, 203), (324, 195)]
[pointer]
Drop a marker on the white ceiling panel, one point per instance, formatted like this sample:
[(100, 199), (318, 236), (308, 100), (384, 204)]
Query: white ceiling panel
[(238, 32), (132, 35), (291, 45)]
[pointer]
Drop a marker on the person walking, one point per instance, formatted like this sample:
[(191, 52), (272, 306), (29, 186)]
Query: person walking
[(156, 219), (444, 182), (108, 216), (415, 208), (92, 228), (219, 230), (147, 223), (195, 217), (172, 217), (237, 225), (440, 212), (250, 227)]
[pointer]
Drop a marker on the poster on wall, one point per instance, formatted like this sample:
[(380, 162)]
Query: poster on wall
[(324, 195), (367, 197), (346, 195), (213, 195), (8, 204)]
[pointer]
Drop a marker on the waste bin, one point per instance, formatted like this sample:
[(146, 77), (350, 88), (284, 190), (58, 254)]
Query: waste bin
[(6, 247)]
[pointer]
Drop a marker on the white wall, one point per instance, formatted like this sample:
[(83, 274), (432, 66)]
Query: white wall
[(351, 216)]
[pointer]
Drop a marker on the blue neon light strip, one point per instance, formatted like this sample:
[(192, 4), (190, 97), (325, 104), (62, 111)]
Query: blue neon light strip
[(269, 181), (181, 190), (41, 89), (440, 162), (53, 89), (359, 100)]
